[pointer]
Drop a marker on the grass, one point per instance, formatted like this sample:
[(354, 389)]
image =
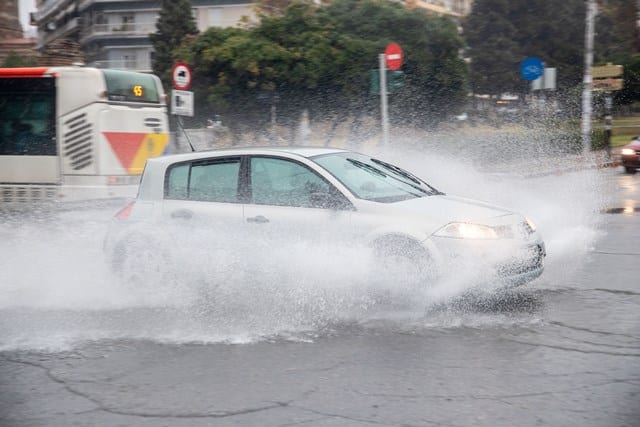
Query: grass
[(624, 128), (620, 140)]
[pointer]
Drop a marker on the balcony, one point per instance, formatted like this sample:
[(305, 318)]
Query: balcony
[(54, 33), (133, 29), (138, 64), (50, 7)]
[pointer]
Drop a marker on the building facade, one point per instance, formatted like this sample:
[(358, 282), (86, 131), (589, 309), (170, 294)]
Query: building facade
[(12, 41), (115, 33), (9, 22), (454, 8)]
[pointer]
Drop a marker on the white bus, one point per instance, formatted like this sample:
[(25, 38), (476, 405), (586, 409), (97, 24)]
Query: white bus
[(76, 133)]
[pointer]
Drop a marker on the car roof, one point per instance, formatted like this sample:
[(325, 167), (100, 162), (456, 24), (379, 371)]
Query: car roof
[(240, 151)]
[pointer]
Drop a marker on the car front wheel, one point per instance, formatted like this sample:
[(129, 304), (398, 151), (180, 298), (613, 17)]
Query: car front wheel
[(402, 266)]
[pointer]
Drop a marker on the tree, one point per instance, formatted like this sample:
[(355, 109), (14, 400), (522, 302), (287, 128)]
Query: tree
[(318, 58), (14, 60), (500, 34), (174, 26), (616, 41), (616, 30), (435, 73)]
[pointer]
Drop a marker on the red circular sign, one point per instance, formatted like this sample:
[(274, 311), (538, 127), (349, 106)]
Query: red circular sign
[(393, 56), (181, 76)]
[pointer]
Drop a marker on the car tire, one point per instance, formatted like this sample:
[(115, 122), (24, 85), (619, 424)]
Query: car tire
[(630, 170), (402, 264)]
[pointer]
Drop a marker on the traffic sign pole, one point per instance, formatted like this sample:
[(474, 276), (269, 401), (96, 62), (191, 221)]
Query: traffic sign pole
[(392, 59), (181, 77), (383, 99)]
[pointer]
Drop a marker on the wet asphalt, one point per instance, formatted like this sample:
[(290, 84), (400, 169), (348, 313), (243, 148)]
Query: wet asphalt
[(563, 351)]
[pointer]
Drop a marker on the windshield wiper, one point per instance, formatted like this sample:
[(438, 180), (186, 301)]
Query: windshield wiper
[(397, 170), (367, 167), (405, 174)]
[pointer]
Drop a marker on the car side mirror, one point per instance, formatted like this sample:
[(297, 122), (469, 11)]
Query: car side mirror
[(327, 200)]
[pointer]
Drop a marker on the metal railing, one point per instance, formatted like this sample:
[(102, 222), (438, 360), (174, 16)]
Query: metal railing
[(123, 29), (136, 64), (69, 27)]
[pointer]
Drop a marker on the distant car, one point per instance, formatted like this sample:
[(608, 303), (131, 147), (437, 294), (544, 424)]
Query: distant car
[(339, 197), (630, 155)]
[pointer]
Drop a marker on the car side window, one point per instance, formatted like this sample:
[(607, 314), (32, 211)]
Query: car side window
[(282, 182), (209, 181), (177, 182)]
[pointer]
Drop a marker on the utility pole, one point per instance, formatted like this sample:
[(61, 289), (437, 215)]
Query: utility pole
[(588, 79)]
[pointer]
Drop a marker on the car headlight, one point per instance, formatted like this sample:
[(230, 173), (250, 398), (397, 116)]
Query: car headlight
[(628, 152), (463, 230), (530, 224)]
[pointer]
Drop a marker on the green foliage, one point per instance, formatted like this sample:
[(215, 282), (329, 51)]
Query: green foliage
[(631, 91), (616, 31), (616, 42), (503, 33), (13, 60), (318, 58), (174, 26)]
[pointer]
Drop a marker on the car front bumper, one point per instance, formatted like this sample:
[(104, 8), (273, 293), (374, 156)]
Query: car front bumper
[(505, 263), (630, 160)]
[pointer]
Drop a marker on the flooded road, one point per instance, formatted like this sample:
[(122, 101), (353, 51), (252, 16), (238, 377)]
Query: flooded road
[(307, 348)]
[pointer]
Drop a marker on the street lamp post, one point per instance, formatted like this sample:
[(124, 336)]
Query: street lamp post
[(588, 79)]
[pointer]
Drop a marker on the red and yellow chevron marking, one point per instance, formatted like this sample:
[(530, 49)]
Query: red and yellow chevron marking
[(134, 148)]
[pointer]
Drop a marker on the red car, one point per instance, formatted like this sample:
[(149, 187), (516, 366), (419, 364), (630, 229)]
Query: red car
[(630, 155)]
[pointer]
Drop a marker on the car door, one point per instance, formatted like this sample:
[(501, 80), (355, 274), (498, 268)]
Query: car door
[(202, 207), (288, 203)]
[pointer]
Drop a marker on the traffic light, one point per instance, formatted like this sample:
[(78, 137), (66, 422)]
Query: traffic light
[(395, 80)]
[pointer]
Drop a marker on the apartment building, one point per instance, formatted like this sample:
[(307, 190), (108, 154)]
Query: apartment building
[(115, 33), (12, 40), (453, 8)]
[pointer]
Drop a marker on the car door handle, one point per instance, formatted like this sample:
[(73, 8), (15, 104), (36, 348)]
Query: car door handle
[(257, 219), (182, 214)]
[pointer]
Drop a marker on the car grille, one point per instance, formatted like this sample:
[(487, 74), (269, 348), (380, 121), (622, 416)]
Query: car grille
[(531, 260)]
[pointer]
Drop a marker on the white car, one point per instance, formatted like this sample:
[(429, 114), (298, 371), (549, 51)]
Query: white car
[(339, 197)]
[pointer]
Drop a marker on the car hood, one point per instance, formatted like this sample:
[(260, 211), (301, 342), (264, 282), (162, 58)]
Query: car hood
[(635, 145), (443, 209)]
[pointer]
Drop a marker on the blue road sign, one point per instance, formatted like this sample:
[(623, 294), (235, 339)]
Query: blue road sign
[(531, 68)]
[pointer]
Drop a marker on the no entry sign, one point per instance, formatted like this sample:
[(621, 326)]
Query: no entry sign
[(393, 56)]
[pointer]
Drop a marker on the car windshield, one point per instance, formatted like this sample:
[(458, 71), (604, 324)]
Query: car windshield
[(373, 179)]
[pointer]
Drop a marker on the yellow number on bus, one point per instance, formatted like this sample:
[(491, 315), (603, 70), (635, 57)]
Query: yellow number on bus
[(137, 90)]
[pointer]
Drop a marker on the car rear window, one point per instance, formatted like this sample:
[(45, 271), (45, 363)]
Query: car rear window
[(210, 181)]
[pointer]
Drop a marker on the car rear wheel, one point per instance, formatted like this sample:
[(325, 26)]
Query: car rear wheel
[(143, 262)]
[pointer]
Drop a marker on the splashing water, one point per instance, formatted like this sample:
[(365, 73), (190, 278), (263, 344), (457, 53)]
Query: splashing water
[(56, 290)]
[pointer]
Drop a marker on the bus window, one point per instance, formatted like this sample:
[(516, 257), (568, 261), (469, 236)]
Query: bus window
[(27, 116), (131, 87)]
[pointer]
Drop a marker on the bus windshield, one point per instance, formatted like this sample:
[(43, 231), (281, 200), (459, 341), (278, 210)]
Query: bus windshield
[(131, 87), (27, 116)]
